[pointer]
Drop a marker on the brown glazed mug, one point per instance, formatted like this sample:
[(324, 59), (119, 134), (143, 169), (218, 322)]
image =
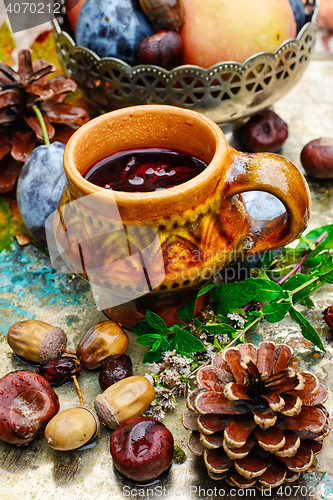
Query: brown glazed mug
[(154, 250)]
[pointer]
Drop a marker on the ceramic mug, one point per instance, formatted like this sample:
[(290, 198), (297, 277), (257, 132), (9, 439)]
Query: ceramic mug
[(154, 250)]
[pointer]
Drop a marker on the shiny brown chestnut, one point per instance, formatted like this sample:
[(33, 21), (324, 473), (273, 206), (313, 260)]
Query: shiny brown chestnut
[(328, 316), (115, 368), (101, 341), (142, 448), (36, 340), (164, 48), (317, 158), (264, 132), (27, 403)]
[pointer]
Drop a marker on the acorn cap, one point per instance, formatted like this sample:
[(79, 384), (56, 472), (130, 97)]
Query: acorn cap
[(52, 345)]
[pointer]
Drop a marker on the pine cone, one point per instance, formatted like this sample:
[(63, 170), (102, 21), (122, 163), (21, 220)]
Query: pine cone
[(254, 420), (19, 92)]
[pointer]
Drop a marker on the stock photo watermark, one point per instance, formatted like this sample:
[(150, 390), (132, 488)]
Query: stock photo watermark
[(283, 491), (23, 14)]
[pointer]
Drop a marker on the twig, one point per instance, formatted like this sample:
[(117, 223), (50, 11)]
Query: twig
[(300, 263)]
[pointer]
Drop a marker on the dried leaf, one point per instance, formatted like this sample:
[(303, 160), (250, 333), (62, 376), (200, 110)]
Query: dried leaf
[(7, 44), (44, 48), (11, 224)]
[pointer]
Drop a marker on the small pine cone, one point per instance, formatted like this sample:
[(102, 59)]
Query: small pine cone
[(254, 420)]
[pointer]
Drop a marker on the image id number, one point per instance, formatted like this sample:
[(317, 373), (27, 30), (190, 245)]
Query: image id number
[(295, 491), (33, 8)]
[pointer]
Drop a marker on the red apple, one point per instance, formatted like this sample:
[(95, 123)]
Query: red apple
[(233, 30)]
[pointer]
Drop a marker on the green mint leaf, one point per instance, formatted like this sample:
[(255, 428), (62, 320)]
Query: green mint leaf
[(149, 339), (326, 244), (325, 266), (327, 278), (276, 311), (185, 342), (220, 329), (156, 322), (308, 242), (307, 302), (186, 312), (231, 296), (315, 260), (269, 290), (153, 356), (296, 281), (142, 328), (217, 345), (205, 289), (307, 329), (318, 231)]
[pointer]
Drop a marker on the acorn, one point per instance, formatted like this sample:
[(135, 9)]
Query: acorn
[(36, 341), (130, 397), (101, 341), (72, 428)]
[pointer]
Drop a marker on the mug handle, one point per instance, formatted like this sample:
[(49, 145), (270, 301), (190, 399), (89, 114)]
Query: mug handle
[(278, 176)]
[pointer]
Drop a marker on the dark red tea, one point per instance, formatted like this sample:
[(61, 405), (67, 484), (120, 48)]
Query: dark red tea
[(143, 170)]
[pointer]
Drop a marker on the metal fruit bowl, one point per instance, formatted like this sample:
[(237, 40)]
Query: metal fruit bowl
[(225, 92)]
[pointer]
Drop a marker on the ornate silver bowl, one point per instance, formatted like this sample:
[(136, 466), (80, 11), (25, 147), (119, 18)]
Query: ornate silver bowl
[(225, 92)]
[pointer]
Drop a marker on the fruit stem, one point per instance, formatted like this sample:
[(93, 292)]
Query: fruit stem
[(42, 124), (69, 352), (78, 388)]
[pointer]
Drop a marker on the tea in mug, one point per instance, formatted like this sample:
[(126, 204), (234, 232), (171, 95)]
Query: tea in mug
[(143, 170)]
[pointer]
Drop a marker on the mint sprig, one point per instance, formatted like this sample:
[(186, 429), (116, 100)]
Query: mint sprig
[(274, 299)]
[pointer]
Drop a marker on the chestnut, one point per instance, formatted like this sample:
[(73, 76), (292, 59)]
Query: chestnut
[(36, 341), (328, 316), (265, 131), (101, 341), (317, 158), (115, 368), (142, 448), (27, 403), (125, 399), (164, 48)]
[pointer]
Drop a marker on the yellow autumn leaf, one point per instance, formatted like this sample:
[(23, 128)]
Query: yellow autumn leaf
[(44, 48), (7, 44)]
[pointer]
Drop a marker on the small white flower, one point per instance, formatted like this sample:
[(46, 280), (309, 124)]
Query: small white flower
[(240, 321), (149, 377)]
